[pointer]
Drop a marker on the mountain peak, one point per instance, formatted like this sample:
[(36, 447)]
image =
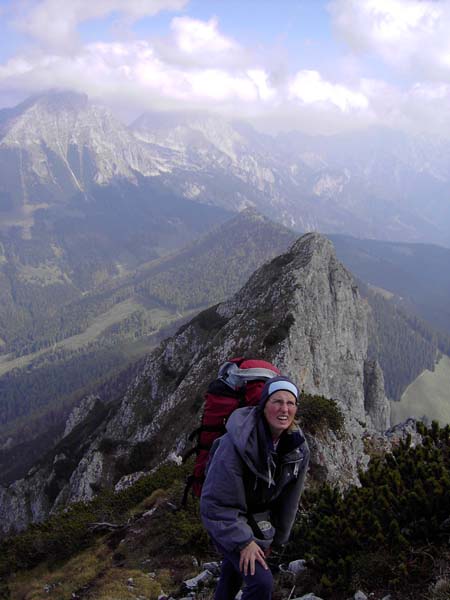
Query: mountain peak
[(69, 143), (57, 100), (182, 132)]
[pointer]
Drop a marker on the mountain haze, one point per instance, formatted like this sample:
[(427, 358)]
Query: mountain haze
[(378, 184), (373, 184), (79, 204)]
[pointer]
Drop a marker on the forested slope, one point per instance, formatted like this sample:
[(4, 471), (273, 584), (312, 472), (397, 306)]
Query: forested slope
[(403, 343), (86, 342)]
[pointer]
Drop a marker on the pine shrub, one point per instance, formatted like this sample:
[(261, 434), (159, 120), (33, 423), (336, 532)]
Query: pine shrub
[(68, 532), (320, 414), (376, 534)]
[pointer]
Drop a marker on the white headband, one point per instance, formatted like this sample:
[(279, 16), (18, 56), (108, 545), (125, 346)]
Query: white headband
[(283, 385)]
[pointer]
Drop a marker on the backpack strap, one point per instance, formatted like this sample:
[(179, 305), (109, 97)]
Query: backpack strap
[(197, 432), (187, 487)]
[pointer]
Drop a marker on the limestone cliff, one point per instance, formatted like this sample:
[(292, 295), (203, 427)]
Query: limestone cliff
[(302, 311)]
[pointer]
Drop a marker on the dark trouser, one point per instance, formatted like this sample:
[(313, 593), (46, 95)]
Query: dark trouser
[(257, 587)]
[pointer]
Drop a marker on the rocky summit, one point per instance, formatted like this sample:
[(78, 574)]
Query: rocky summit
[(302, 311)]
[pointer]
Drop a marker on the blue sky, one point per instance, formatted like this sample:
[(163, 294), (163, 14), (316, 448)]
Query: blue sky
[(320, 66)]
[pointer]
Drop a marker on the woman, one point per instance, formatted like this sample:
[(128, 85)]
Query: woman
[(253, 487)]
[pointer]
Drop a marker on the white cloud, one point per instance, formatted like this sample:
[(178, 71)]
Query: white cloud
[(194, 43), (266, 92), (408, 34), (197, 66), (309, 87), (427, 106), (133, 74), (194, 37), (54, 23), (135, 69)]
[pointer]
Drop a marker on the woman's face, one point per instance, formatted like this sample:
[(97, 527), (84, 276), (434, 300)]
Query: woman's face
[(280, 410)]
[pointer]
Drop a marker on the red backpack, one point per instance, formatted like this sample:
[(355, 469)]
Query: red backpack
[(239, 383)]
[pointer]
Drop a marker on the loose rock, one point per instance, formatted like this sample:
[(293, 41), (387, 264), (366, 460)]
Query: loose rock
[(297, 566), (212, 567), (203, 577)]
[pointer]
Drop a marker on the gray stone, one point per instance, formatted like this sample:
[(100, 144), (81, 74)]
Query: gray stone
[(359, 595), (374, 397), (79, 413), (202, 578), (212, 567), (297, 566), (128, 480)]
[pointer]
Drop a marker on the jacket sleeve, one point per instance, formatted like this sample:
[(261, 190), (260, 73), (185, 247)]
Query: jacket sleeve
[(287, 503), (223, 504)]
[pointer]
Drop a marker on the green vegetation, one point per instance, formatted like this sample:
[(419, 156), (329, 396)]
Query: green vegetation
[(49, 398), (59, 583), (416, 273), (386, 534), (67, 554), (66, 345), (403, 344), (427, 395), (58, 376), (206, 272), (68, 532), (320, 414)]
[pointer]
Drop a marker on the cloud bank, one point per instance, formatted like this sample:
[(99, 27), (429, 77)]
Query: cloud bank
[(195, 65)]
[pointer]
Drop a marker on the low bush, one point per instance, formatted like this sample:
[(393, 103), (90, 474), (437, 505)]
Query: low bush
[(318, 413), (385, 532), (68, 532)]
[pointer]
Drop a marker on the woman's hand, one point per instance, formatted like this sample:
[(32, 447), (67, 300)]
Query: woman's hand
[(249, 555)]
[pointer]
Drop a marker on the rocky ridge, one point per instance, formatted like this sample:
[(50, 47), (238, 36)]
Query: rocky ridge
[(85, 139), (301, 311)]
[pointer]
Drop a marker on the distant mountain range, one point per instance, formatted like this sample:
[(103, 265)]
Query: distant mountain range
[(374, 184), (93, 215), (68, 163), (84, 199)]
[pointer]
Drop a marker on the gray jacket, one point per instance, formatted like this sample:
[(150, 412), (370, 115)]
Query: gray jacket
[(246, 476)]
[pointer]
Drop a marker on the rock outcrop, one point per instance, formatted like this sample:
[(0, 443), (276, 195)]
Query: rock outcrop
[(302, 311)]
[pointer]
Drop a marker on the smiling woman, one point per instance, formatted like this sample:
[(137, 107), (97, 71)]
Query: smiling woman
[(253, 487)]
